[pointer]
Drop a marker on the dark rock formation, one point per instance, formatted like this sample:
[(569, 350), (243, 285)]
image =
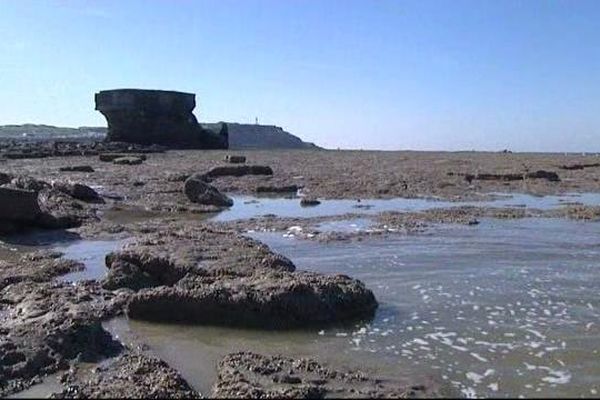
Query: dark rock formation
[(156, 117), (204, 276), (309, 202), (78, 191), (574, 167), (239, 170), (201, 192), (77, 168), (277, 189), (541, 174), (133, 376), (29, 203), (267, 300), (251, 375), (235, 159), (18, 205)]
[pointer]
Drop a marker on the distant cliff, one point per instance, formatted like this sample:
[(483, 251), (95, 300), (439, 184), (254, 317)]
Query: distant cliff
[(253, 136), (241, 136)]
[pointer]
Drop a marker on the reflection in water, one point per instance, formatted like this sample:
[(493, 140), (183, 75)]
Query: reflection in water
[(92, 254), (502, 309), (248, 207)]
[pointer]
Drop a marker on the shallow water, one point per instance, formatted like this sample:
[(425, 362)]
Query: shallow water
[(506, 308), (346, 226), (501, 309), (92, 253), (14, 246), (247, 206), (49, 385)]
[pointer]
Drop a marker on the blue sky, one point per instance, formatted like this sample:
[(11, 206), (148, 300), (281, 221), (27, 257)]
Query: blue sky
[(426, 75)]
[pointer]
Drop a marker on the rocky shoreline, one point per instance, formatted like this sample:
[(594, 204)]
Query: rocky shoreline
[(179, 269)]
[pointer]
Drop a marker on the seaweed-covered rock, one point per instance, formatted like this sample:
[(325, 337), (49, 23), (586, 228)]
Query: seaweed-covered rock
[(251, 375)]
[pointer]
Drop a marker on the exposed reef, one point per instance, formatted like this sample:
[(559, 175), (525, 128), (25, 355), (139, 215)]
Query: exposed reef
[(133, 375), (251, 375), (216, 277)]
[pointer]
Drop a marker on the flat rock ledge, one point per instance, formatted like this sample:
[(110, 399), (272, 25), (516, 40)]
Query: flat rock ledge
[(251, 375), (168, 253), (133, 376), (206, 276), (266, 300), (27, 203)]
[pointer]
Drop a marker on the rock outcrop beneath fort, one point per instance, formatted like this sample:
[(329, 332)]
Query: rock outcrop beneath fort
[(157, 117)]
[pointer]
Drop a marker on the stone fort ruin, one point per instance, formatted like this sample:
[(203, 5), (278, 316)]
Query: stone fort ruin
[(157, 117)]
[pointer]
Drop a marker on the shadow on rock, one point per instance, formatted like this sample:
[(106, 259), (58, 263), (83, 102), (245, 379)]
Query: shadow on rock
[(40, 237)]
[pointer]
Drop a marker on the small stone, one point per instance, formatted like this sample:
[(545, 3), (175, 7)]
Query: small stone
[(235, 159), (198, 191), (77, 168), (128, 161), (309, 202)]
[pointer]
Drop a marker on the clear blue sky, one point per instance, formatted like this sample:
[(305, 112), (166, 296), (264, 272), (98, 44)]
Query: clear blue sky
[(380, 74)]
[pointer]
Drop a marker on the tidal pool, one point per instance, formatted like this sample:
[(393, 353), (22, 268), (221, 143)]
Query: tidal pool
[(92, 254), (503, 309), (248, 207)]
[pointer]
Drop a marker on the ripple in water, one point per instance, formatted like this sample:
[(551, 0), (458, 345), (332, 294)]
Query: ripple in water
[(505, 309)]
